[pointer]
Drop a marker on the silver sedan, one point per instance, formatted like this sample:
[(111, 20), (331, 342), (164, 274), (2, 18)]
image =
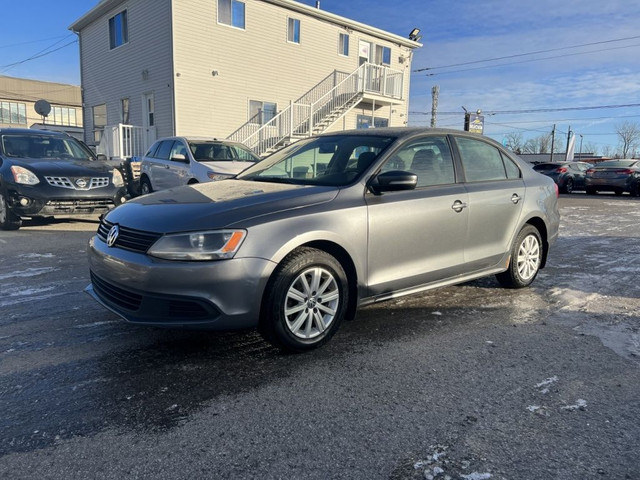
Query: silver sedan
[(297, 242)]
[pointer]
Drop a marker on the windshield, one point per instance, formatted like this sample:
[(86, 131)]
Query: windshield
[(328, 160), (220, 152), (44, 146)]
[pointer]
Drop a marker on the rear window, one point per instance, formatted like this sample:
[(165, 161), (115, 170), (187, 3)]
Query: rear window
[(545, 167)]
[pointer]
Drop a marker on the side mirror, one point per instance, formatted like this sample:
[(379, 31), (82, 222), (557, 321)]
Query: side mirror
[(179, 157), (102, 157), (393, 181)]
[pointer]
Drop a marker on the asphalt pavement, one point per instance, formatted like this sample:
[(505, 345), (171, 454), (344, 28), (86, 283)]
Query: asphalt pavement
[(465, 382)]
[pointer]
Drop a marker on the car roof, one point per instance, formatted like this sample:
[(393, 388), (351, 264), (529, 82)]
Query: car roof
[(200, 139), (32, 131)]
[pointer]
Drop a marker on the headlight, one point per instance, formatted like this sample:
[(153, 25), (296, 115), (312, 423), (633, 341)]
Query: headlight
[(118, 181), (217, 176), (211, 245), (24, 176)]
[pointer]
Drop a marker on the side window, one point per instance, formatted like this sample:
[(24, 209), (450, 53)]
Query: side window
[(481, 161), (512, 169), (164, 150), (429, 158), (152, 150), (118, 30), (178, 149), (293, 30), (232, 13)]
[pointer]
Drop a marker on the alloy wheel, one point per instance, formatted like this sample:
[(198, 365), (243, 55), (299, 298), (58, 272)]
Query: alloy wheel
[(528, 259), (311, 303)]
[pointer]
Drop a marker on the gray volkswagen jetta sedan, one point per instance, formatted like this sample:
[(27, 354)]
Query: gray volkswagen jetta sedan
[(294, 244)]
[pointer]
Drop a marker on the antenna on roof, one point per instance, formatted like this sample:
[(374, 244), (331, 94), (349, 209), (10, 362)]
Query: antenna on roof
[(318, 4)]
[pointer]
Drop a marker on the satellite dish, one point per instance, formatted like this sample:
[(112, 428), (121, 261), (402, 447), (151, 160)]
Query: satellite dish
[(42, 107)]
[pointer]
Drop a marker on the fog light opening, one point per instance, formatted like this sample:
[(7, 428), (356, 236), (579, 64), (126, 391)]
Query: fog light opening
[(24, 201)]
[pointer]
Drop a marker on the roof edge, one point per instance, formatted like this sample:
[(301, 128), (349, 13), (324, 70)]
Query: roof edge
[(96, 12)]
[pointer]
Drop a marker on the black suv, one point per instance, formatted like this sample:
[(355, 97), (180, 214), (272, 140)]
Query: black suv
[(45, 173)]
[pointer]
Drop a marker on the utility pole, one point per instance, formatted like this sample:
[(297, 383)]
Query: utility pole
[(568, 139), (435, 91), (580, 153), (553, 138)]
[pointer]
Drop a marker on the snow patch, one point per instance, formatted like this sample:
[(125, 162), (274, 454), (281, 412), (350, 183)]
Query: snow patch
[(579, 405), (28, 272), (477, 476)]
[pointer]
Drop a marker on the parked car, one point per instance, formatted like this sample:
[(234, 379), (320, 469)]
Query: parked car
[(616, 176), (45, 173), (175, 161), (569, 176), (295, 243)]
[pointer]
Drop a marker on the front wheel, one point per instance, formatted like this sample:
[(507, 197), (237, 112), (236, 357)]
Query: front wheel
[(526, 258), (305, 301), (8, 219)]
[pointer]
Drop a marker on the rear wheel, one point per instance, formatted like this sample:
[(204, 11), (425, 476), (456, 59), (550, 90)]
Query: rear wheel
[(145, 186), (568, 186), (8, 219), (618, 191), (305, 301), (526, 258)]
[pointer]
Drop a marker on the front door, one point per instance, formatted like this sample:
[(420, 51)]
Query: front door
[(417, 237), (149, 118)]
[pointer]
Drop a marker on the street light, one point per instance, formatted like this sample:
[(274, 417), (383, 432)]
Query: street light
[(580, 152)]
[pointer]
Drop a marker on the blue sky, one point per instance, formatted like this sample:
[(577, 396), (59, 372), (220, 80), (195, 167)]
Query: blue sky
[(604, 72)]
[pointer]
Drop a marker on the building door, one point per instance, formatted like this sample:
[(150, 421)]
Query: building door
[(148, 118)]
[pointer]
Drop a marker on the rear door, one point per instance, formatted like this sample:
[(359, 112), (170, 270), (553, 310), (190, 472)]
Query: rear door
[(159, 164), (496, 196), (417, 236)]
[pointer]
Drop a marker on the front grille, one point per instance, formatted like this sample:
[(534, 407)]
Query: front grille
[(77, 206), (78, 183), (150, 308), (129, 238), (116, 295)]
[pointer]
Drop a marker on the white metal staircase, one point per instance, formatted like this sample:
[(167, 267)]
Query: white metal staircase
[(321, 107)]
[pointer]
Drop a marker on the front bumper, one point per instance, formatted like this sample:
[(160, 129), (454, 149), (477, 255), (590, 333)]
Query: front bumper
[(216, 295), (33, 200)]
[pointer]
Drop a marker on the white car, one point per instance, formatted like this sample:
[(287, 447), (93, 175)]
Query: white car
[(176, 161)]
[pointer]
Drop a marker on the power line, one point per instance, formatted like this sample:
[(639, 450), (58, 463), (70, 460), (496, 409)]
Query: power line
[(537, 110), (11, 45), (40, 54), (529, 61), (529, 53)]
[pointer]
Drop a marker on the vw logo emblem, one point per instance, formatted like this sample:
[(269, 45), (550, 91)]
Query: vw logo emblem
[(113, 235), (81, 183)]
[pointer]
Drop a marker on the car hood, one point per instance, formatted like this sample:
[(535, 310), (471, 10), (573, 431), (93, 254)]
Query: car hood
[(59, 167), (218, 204), (226, 166)]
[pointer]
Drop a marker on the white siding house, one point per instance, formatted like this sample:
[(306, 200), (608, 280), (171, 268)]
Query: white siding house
[(226, 68)]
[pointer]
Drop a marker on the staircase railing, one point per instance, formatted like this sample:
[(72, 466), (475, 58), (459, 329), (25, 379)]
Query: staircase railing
[(316, 111)]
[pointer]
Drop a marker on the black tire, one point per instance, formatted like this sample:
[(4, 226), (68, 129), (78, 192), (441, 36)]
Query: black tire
[(591, 191), (568, 186), (8, 219), (145, 186), (526, 258), (635, 190), (618, 191), (312, 320)]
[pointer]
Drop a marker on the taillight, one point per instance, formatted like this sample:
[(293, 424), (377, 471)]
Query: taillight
[(625, 171), (561, 169), (555, 185)]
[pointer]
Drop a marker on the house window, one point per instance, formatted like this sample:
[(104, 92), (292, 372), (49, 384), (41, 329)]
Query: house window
[(99, 121), (343, 44), (383, 55), (261, 112), (124, 111), (364, 121), (64, 116), (293, 30), (232, 13), (118, 30), (12, 112)]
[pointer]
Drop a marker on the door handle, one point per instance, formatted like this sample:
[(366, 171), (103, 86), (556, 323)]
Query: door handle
[(515, 198), (458, 206)]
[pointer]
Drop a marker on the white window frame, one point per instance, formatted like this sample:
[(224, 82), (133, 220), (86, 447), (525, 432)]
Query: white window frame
[(231, 18), (343, 43), (291, 22), (124, 23)]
